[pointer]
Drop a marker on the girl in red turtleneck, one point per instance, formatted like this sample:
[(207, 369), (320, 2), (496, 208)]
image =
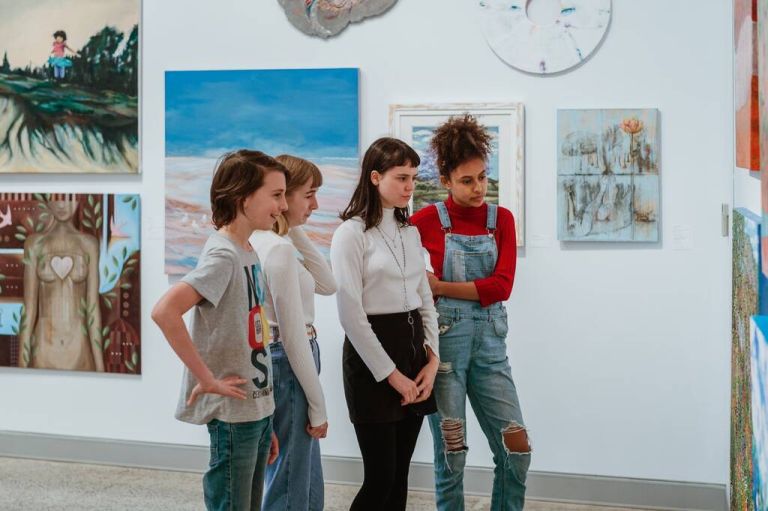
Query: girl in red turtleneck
[(473, 252)]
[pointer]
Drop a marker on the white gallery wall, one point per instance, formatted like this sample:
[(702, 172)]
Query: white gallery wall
[(620, 352)]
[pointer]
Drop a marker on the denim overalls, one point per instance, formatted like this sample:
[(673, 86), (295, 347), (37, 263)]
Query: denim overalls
[(474, 363)]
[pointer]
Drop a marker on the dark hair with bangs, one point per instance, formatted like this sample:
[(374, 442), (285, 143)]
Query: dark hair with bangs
[(238, 174), (458, 140), (383, 154)]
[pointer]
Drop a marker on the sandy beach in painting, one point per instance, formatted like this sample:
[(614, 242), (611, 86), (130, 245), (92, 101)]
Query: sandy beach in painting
[(188, 212)]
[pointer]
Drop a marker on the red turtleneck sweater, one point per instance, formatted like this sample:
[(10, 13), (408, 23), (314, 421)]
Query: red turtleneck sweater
[(471, 222)]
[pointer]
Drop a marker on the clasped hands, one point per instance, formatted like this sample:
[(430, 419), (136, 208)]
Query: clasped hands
[(418, 389)]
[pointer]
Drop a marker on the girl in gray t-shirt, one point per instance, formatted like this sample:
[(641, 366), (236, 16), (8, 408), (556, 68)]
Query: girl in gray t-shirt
[(227, 378)]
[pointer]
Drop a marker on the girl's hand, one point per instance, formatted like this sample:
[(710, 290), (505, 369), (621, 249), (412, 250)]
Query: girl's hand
[(434, 284), (425, 380), (274, 449), (404, 386), (318, 432), (228, 387)]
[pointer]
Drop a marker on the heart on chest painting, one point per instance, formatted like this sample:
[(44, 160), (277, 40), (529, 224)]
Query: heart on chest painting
[(70, 282)]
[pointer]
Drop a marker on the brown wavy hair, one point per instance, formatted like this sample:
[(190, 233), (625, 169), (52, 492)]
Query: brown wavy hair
[(458, 140), (299, 172), (383, 154), (238, 174)]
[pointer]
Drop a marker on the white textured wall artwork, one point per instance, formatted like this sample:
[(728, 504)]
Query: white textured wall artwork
[(326, 18), (544, 49)]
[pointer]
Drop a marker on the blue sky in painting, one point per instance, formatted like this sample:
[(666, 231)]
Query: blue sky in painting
[(7, 310), (127, 222), (312, 113)]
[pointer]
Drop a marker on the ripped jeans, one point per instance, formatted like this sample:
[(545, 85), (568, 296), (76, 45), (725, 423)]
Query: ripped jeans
[(474, 363)]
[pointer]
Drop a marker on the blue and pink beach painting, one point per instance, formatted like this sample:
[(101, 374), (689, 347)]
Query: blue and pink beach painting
[(310, 113)]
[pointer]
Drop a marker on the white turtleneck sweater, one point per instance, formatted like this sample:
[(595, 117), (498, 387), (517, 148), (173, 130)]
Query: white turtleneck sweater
[(294, 271), (369, 282)]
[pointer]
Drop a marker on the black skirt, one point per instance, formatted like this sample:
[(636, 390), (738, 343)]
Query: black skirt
[(369, 401)]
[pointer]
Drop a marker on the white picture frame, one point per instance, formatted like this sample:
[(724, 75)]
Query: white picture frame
[(507, 123)]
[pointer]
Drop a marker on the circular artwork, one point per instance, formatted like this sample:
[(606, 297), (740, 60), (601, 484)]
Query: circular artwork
[(545, 49)]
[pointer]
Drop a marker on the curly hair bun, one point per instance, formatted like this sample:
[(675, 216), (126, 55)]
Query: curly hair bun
[(459, 140)]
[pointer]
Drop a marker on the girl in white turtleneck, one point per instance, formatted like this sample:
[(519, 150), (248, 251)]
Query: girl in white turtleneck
[(295, 271), (388, 315)]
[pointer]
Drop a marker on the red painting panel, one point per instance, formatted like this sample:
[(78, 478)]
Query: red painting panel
[(747, 112)]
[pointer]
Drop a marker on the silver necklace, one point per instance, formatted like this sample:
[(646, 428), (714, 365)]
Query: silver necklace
[(401, 267), (390, 238)]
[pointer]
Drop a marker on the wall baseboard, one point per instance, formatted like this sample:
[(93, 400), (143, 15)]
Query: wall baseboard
[(575, 488)]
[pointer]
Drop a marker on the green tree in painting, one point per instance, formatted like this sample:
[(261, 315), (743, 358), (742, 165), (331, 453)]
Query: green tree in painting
[(99, 65), (128, 63), (96, 63), (108, 61)]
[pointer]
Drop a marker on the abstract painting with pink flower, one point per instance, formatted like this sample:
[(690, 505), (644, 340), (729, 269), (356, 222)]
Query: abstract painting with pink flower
[(608, 175)]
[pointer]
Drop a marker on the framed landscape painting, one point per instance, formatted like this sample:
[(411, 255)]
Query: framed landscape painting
[(415, 124)]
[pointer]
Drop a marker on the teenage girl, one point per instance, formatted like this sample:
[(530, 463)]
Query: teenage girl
[(473, 252), (387, 312), (294, 271)]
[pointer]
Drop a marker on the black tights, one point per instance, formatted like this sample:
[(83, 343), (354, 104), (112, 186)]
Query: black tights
[(387, 449)]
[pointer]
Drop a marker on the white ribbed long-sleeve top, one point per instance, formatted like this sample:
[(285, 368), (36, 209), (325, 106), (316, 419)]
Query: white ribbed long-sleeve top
[(369, 282), (294, 270)]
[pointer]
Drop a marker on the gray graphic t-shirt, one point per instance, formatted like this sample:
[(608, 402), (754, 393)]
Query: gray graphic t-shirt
[(229, 331)]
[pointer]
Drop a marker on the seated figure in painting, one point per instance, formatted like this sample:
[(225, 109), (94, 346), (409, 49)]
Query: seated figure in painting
[(62, 324)]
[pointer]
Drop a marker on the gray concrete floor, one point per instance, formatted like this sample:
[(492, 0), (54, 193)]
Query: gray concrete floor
[(47, 486)]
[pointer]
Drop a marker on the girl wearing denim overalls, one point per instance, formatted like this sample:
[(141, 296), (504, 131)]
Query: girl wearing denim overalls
[(473, 252)]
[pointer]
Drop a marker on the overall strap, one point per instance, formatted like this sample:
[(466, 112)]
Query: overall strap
[(490, 223), (445, 218)]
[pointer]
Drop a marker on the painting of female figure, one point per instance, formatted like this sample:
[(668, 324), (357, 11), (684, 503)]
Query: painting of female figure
[(69, 282)]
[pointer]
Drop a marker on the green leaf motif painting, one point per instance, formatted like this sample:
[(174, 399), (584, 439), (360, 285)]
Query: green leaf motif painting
[(70, 286)]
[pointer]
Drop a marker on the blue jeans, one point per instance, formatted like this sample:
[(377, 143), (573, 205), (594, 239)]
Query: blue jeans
[(473, 363), (295, 480), (235, 475)]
